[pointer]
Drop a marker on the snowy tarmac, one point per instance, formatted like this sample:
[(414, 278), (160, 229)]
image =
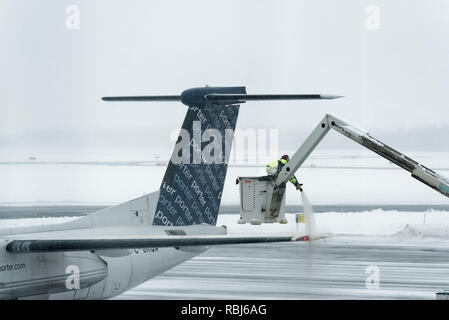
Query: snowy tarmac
[(411, 257), (335, 269)]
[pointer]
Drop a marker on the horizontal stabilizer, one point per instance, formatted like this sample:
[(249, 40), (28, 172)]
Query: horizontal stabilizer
[(54, 245), (221, 96), (266, 97), (143, 98)]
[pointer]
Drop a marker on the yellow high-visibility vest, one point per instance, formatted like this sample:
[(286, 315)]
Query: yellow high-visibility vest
[(272, 168)]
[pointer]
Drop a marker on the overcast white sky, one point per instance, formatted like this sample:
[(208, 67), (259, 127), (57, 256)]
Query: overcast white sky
[(52, 78)]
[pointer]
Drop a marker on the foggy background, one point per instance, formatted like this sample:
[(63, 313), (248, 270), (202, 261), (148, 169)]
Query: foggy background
[(394, 78)]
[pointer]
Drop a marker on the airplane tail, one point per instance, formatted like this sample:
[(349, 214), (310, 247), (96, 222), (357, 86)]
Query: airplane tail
[(192, 186)]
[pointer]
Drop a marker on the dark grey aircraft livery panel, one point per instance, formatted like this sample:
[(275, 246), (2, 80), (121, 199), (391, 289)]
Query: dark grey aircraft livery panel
[(191, 189)]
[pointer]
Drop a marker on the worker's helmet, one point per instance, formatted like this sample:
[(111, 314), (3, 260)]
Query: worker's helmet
[(285, 157)]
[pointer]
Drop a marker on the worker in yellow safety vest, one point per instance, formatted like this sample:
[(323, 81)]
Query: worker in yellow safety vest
[(274, 167)]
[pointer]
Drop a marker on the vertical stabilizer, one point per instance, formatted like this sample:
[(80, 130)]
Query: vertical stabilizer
[(192, 186)]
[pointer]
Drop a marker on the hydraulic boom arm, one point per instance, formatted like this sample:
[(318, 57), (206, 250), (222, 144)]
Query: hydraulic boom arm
[(418, 171)]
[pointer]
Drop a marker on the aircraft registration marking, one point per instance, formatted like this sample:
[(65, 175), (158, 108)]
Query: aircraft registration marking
[(146, 250)]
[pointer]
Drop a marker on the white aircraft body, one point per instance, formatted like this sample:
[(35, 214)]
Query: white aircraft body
[(108, 252)]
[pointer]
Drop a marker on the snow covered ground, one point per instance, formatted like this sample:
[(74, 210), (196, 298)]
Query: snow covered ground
[(330, 177), (418, 225), (428, 226)]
